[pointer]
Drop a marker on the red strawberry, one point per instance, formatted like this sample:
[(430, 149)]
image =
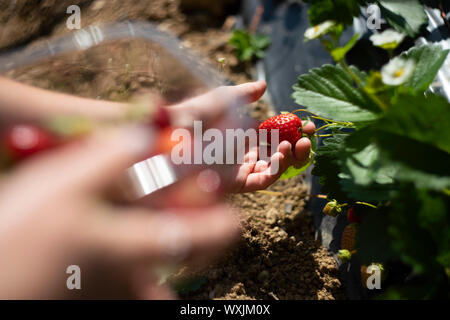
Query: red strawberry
[(22, 141), (288, 124), (352, 216)]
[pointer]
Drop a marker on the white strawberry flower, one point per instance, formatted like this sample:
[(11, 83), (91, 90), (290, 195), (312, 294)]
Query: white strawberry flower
[(397, 71), (319, 30), (388, 39)]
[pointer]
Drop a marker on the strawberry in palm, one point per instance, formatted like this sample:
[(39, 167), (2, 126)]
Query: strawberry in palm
[(288, 124)]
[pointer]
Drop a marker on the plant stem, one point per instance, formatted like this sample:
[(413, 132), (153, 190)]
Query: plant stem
[(323, 135), (272, 193), (366, 204), (320, 196), (325, 126)]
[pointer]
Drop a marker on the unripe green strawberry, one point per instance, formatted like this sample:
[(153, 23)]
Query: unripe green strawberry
[(332, 208), (348, 239), (344, 255), (288, 124)]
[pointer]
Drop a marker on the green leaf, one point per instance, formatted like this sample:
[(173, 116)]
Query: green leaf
[(338, 54), (327, 167), (364, 177), (248, 46), (415, 162), (330, 92), (260, 42), (414, 136), (246, 54), (292, 172), (421, 118), (419, 225), (407, 16), (341, 11), (359, 167), (429, 59)]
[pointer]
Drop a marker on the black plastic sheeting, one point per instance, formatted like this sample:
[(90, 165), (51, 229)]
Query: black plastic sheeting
[(285, 21)]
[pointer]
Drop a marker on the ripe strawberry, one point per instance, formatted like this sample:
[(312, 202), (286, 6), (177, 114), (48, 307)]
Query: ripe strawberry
[(352, 217), (22, 141), (348, 239), (288, 124)]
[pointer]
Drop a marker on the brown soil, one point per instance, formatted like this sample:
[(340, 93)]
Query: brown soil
[(277, 257)]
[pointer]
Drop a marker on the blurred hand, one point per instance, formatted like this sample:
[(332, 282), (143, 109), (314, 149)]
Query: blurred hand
[(52, 215), (255, 174), (208, 107)]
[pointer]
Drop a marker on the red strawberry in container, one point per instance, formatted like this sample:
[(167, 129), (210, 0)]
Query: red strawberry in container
[(24, 140), (288, 124)]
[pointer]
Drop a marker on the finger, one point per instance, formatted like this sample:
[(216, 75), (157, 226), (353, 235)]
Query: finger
[(165, 237), (261, 180), (246, 168), (285, 148), (249, 92), (308, 127), (261, 166), (302, 151), (21, 102), (212, 104), (88, 164)]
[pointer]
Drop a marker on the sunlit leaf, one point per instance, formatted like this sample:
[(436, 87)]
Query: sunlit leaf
[(292, 172), (429, 59), (407, 16), (330, 92)]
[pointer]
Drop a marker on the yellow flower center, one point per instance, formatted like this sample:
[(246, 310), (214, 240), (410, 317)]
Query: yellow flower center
[(316, 29), (399, 73)]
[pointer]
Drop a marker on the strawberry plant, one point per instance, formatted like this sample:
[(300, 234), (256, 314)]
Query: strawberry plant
[(386, 144), (248, 46)]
